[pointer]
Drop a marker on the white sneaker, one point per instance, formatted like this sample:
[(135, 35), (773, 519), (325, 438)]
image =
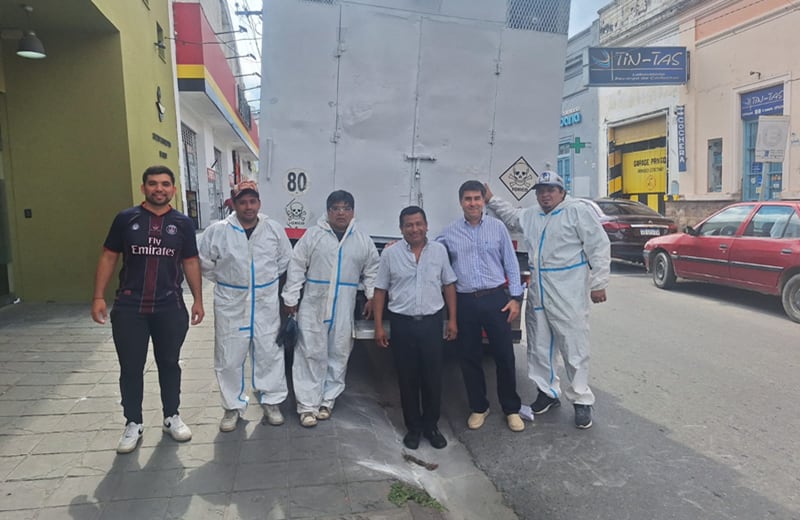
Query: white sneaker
[(273, 414), (130, 438), (177, 428), (229, 420)]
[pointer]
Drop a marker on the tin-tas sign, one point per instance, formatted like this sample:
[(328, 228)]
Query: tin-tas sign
[(634, 66)]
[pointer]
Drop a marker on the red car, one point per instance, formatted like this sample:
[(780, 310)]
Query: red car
[(750, 245)]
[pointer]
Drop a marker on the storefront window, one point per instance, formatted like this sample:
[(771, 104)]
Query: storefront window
[(760, 180)]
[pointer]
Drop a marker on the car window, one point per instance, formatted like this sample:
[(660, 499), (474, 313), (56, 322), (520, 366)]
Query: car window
[(627, 208), (726, 222), (769, 221), (609, 208), (792, 228)]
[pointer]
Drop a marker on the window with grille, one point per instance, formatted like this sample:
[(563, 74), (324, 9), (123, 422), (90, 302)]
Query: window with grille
[(243, 107), (715, 165), (538, 15)]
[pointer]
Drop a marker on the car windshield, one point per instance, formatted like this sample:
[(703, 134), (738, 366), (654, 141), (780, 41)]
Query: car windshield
[(626, 208)]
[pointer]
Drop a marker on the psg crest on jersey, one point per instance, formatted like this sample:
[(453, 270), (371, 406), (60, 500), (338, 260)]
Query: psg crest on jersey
[(172, 229)]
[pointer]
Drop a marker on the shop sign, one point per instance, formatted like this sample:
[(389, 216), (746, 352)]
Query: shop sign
[(680, 121), (764, 102), (773, 132), (645, 171), (634, 66), (572, 117)]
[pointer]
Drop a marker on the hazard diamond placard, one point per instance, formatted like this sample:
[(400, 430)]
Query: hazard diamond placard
[(519, 178)]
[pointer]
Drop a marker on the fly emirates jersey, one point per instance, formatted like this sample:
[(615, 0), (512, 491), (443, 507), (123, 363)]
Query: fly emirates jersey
[(153, 248)]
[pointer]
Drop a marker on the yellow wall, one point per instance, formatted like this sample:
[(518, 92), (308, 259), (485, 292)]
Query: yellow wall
[(80, 125), (143, 72), (69, 163)]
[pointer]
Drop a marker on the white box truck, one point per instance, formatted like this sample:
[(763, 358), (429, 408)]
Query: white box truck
[(400, 101)]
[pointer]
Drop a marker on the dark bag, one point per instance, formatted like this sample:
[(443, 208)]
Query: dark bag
[(287, 334)]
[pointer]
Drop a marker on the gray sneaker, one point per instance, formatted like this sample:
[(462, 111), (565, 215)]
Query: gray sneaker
[(272, 414), (583, 416), (229, 420)]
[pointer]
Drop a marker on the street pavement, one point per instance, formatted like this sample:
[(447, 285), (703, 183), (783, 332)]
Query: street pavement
[(60, 420), (696, 413)]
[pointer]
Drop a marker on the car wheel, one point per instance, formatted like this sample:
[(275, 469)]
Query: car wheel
[(663, 272), (790, 296)]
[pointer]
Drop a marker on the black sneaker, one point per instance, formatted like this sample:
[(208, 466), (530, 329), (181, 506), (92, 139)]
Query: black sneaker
[(411, 440), (583, 416), (436, 438), (543, 403)]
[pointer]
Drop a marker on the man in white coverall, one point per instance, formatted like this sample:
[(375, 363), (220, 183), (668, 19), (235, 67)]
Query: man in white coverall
[(245, 254), (330, 261), (570, 260)]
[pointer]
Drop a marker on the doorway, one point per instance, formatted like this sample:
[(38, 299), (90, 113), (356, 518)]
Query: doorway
[(5, 238)]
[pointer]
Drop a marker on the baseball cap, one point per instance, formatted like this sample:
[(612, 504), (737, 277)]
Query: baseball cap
[(547, 178), (244, 188)]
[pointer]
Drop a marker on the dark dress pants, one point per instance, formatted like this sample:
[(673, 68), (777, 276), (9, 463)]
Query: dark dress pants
[(483, 313), (418, 351), (132, 332)]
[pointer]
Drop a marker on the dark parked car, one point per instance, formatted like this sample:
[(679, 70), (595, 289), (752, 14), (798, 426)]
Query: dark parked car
[(751, 245), (629, 225)]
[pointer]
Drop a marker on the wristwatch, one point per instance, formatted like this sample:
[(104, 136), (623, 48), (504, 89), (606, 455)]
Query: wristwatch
[(517, 298)]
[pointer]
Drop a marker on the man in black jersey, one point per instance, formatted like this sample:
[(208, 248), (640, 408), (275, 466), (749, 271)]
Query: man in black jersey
[(158, 246)]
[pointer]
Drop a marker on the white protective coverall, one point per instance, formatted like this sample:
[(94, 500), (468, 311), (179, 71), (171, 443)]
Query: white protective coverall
[(246, 307), (569, 255), (331, 271)]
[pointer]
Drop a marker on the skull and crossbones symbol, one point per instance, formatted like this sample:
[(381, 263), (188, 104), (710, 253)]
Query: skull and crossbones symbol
[(296, 213), (521, 178)]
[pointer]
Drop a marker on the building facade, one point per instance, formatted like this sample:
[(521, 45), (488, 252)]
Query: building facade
[(219, 136), (77, 129), (741, 69), (577, 146), (638, 123), (704, 133)]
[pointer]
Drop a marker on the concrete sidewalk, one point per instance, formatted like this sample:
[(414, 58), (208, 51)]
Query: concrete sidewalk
[(60, 420)]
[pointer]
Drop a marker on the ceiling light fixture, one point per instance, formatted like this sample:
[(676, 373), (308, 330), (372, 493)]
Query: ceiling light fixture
[(30, 46)]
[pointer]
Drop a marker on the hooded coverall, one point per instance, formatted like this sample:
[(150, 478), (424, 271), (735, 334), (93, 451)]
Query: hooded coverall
[(331, 271), (569, 255), (246, 307)]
